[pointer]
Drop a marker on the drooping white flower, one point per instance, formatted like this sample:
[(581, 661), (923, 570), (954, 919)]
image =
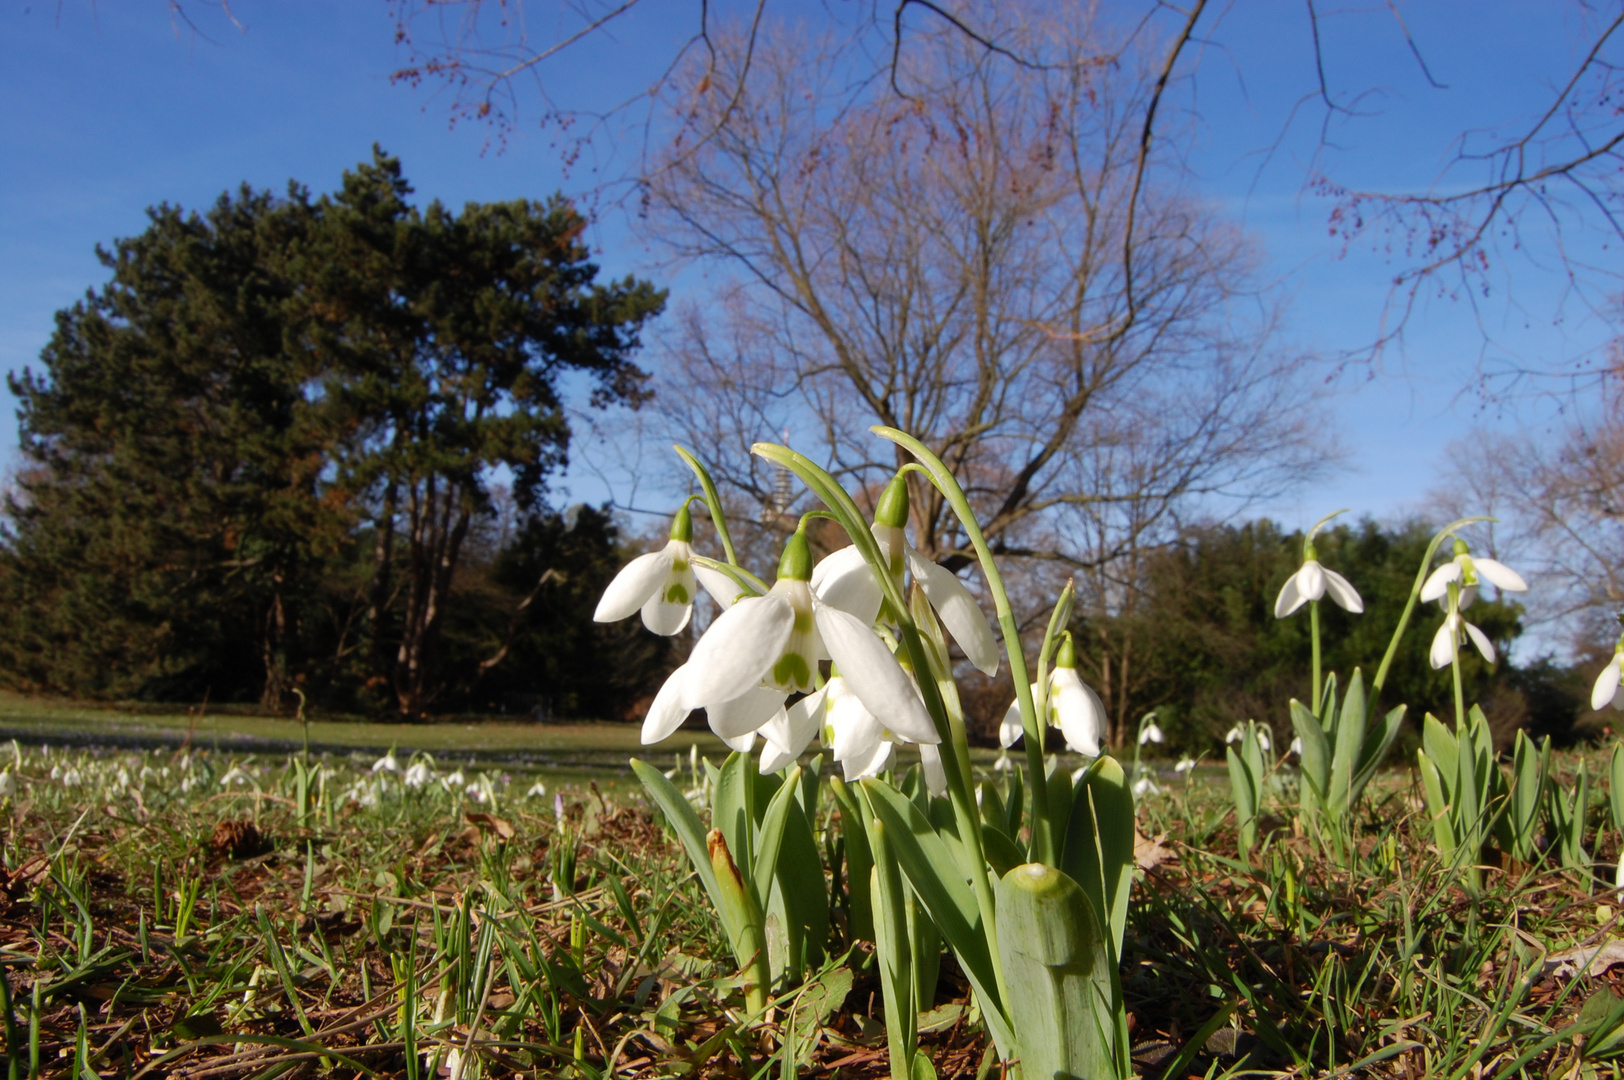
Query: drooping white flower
[(1072, 706), (1311, 582), (1449, 637), (1234, 735), (1150, 733), (1296, 746), (1145, 785), (387, 764), (417, 774), (1605, 692), (863, 744), (8, 785), (1186, 764), (235, 775), (453, 782), (786, 734), (1002, 763), (1263, 738), (660, 583), (538, 790), (1468, 572), (764, 648), (845, 580)]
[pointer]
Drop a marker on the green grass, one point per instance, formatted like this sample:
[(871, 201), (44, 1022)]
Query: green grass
[(206, 919)]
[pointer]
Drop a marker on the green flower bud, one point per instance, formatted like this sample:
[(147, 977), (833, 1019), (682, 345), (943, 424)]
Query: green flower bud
[(893, 508), (682, 526), (1066, 655), (796, 562)]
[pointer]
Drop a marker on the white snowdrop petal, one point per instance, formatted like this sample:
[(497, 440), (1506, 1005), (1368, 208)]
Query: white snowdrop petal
[(930, 760), (959, 611), (721, 586), (776, 752), (1437, 583), (1311, 580), (745, 713), (740, 647), (1345, 595), (855, 768), (667, 712), (1443, 646), (665, 618), (855, 728), (1082, 717), (1010, 729), (1606, 688), (637, 581), (1481, 640), (803, 720), (846, 581), (1501, 575), (874, 675), (743, 743), (1290, 599)]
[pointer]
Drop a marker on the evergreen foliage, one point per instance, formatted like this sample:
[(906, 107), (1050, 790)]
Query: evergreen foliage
[(263, 455)]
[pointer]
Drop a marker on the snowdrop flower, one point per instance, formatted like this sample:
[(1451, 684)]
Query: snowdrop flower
[(387, 763), (1002, 762), (1234, 735), (1186, 765), (1605, 692), (764, 648), (146, 775), (1145, 785), (235, 775), (1311, 582), (660, 583), (1150, 733), (845, 580), (8, 785), (1263, 738), (538, 790), (453, 781), (417, 774), (1296, 746), (1072, 706), (1447, 641), (790, 729), (1468, 573)]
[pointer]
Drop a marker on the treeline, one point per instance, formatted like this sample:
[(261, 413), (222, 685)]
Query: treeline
[(302, 444), (1197, 639)]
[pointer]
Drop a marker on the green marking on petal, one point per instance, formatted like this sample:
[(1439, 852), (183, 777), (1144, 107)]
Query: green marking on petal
[(676, 594), (792, 670)]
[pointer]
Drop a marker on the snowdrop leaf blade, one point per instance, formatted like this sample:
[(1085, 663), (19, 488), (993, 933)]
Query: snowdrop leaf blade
[(637, 581), (740, 647), (874, 675), (668, 711), (690, 832), (1343, 592), (959, 611)]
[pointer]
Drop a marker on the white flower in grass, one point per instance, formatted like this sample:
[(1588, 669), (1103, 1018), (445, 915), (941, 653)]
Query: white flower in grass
[(1002, 763), (538, 790), (453, 781), (386, 764), (1264, 739), (1469, 573), (1186, 765), (764, 648), (1150, 733), (1311, 582), (417, 774), (1450, 636), (235, 775), (1605, 692), (8, 785), (1233, 735), (1072, 706), (662, 584), (1145, 785), (1296, 746), (846, 581)]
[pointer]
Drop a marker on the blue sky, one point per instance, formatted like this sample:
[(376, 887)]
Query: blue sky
[(112, 109)]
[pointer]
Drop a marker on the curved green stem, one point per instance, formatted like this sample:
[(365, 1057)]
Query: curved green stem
[(1044, 847), (1415, 595), (1454, 662), (1314, 636), (713, 502)]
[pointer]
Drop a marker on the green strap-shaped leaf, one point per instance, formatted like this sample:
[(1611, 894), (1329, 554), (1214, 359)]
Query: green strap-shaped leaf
[(1443, 750), (937, 877), (993, 811), (1348, 738), (1016, 803), (800, 876), (891, 948), (1003, 854), (772, 835), (1615, 792), (1315, 756), (859, 860), (690, 833), (1443, 832), (1059, 971), (733, 810), (741, 907), (1245, 795), (1099, 845), (1379, 739)]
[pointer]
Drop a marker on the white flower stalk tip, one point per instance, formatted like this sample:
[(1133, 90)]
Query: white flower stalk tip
[(1468, 572), (1605, 692), (1072, 706), (846, 581), (661, 584), (765, 648), (1311, 582)]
